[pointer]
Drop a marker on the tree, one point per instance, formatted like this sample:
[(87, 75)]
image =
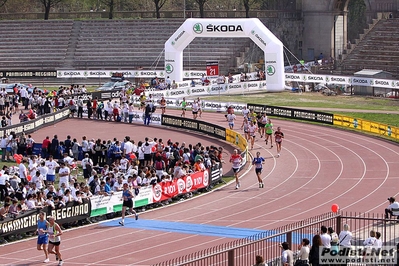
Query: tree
[(247, 6), (48, 4), (356, 19), (201, 4), (158, 5), (110, 4)]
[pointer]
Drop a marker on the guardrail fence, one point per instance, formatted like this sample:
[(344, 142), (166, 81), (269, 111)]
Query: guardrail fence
[(243, 251)]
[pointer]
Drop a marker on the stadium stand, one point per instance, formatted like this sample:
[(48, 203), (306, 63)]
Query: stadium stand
[(108, 44), (377, 49), (34, 44)]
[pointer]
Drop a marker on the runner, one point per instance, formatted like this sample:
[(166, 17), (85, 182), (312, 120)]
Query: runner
[(199, 101), (245, 126), (269, 132), (142, 100), (236, 159), (278, 137), (54, 231), (162, 103), (127, 203), (252, 133), (195, 109), (230, 119), (258, 161), (262, 123), (183, 107), (42, 239)]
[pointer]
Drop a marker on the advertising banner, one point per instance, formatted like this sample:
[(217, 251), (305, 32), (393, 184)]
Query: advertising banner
[(196, 125), (299, 114), (169, 189), (216, 173), (367, 126), (237, 139), (27, 221), (101, 205)]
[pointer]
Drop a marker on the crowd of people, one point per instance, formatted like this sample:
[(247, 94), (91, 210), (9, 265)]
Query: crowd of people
[(107, 166), (327, 241)]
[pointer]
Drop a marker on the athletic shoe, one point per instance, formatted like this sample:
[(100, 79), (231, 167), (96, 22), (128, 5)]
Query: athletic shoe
[(137, 216), (237, 186), (266, 142), (278, 155), (60, 263), (46, 260), (56, 257), (260, 185), (121, 223), (271, 146)]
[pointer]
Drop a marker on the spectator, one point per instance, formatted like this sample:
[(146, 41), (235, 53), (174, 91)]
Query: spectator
[(378, 241), (334, 238), (325, 237), (370, 241), (314, 253), (287, 257), (87, 165), (304, 251), (259, 261), (393, 204), (4, 211), (345, 237)]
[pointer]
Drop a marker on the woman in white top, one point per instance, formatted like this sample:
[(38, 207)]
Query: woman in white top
[(304, 250), (345, 237), (54, 231)]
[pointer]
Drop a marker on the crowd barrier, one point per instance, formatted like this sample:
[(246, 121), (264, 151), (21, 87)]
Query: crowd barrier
[(101, 205), (367, 126), (196, 75), (40, 122), (27, 221)]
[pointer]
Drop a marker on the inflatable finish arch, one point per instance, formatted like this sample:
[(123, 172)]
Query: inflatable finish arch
[(227, 28)]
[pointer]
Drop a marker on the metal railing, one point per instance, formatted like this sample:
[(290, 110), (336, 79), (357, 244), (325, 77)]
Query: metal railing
[(243, 251), (165, 14)]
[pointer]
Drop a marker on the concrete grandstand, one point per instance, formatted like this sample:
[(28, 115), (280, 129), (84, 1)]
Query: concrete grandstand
[(108, 44)]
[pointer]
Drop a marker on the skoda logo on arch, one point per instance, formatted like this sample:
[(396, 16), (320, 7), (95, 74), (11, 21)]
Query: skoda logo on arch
[(168, 68), (270, 70), (198, 28)]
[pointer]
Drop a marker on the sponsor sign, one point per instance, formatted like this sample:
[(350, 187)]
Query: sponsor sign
[(216, 173), (101, 205), (27, 221), (167, 190), (193, 74), (28, 73), (366, 126), (196, 125), (236, 139), (299, 114), (361, 81)]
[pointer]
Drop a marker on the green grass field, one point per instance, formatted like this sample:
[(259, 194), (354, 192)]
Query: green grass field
[(382, 110)]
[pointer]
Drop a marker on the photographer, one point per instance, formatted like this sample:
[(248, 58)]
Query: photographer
[(393, 204)]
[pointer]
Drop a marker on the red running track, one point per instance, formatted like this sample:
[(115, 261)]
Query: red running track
[(318, 166)]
